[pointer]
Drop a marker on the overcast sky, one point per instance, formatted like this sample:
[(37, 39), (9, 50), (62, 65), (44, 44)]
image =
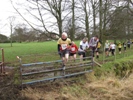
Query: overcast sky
[(6, 11)]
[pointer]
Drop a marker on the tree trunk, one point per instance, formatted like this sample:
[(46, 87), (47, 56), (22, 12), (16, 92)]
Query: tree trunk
[(86, 20), (100, 19), (11, 34), (73, 21), (94, 17)]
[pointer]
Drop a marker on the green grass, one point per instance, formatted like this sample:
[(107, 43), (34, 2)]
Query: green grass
[(22, 49), (41, 51), (30, 52)]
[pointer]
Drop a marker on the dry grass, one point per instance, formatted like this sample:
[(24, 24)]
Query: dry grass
[(39, 94), (105, 88)]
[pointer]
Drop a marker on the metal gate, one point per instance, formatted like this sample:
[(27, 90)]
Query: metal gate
[(48, 71)]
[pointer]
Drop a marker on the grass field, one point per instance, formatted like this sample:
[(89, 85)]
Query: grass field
[(41, 51), (24, 49), (30, 52)]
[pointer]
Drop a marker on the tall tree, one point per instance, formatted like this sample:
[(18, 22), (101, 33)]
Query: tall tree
[(85, 8), (3, 38), (94, 4), (100, 19), (106, 19), (73, 20), (130, 4), (11, 23)]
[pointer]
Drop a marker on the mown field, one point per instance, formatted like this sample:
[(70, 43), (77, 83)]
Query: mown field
[(43, 51), (30, 52)]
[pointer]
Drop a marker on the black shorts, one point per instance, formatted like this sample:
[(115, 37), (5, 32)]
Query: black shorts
[(128, 45), (119, 49), (82, 53), (110, 50), (98, 49), (63, 52), (93, 51), (72, 54), (106, 49)]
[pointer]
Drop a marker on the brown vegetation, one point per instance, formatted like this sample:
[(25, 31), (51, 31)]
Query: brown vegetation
[(105, 88)]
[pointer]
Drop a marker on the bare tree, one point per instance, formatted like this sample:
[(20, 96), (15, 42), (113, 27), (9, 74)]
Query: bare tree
[(49, 14), (85, 14), (94, 4), (11, 23), (130, 2), (100, 19), (106, 18), (73, 20), (52, 16)]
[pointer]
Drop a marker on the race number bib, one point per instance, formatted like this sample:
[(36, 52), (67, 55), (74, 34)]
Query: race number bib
[(63, 46), (73, 49)]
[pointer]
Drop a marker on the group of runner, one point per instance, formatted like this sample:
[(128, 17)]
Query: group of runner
[(67, 48), (110, 48)]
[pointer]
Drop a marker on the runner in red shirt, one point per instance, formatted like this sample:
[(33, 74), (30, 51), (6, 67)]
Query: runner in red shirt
[(73, 51)]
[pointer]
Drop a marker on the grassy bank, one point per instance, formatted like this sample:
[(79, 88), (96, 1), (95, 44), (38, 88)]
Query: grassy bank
[(112, 81), (104, 83)]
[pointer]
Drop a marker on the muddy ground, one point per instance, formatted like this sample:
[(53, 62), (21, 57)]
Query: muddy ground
[(11, 91)]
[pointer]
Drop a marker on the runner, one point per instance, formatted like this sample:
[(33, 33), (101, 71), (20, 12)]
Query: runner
[(73, 51), (125, 46), (93, 44), (98, 49), (107, 44), (112, 47), (83, 46), (128, 43), (63, 47), (119, 47)]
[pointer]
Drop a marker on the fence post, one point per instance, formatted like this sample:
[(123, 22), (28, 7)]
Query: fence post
[(63, 69), (20, 70), (2, 70)]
